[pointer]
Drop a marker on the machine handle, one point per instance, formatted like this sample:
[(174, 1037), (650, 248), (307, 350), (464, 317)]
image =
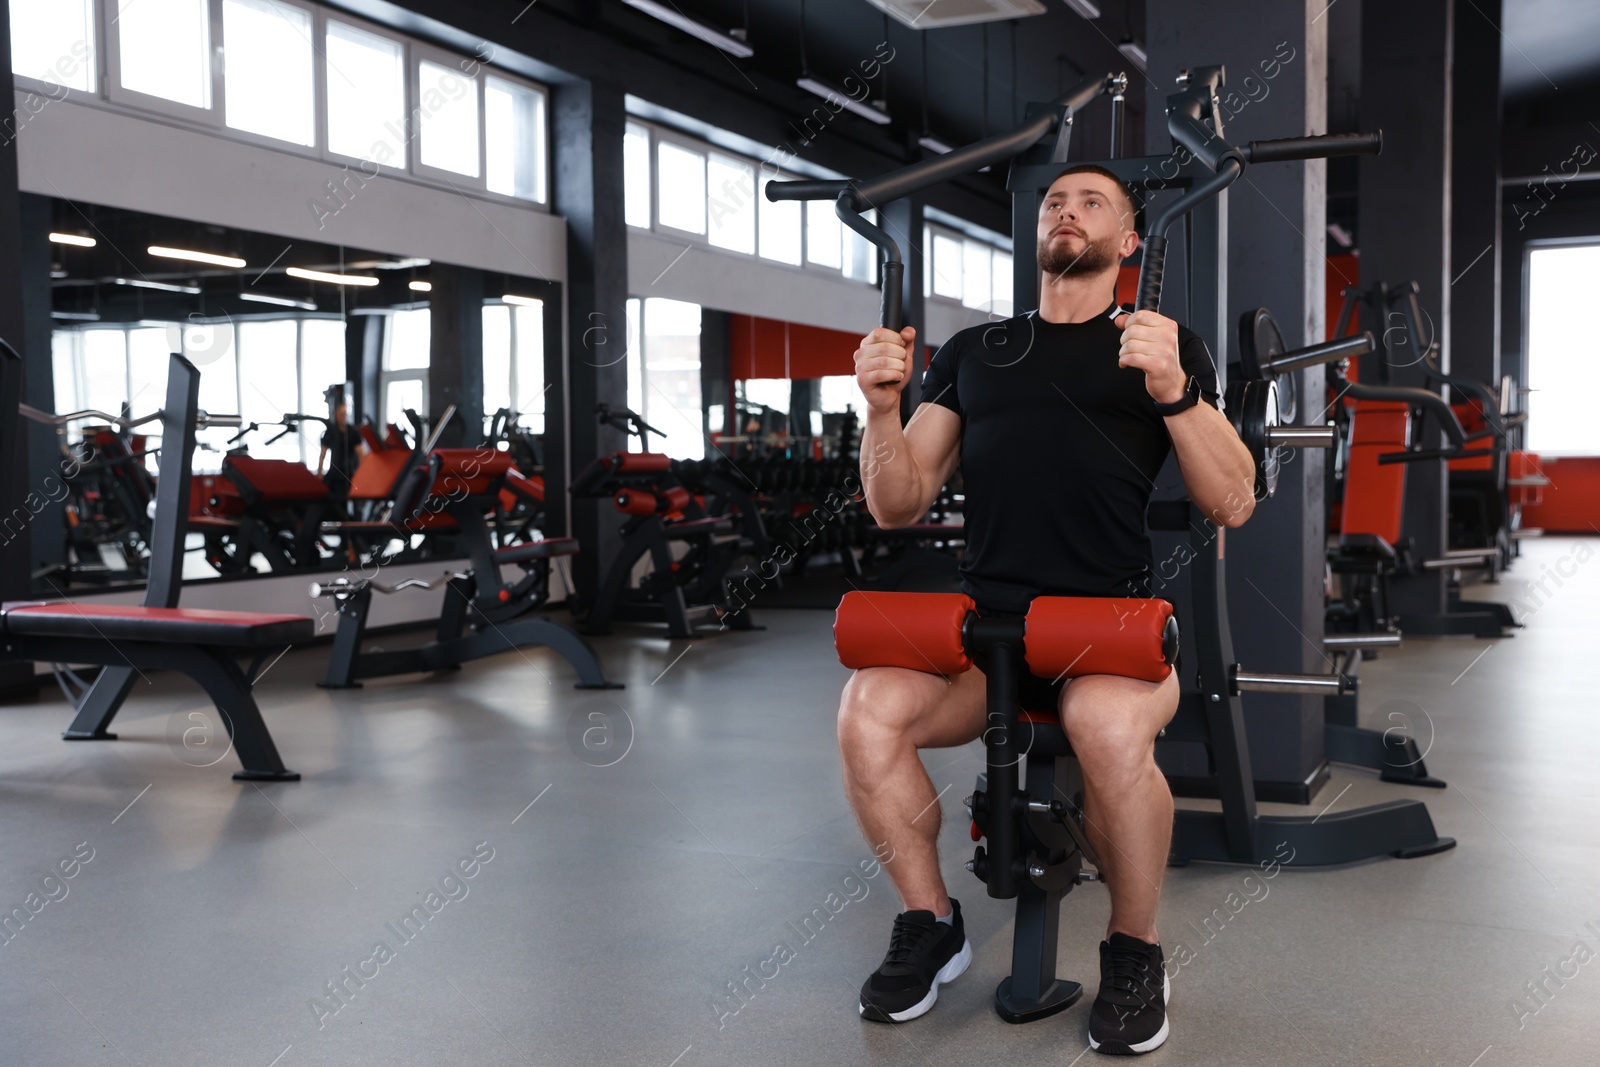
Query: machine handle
[(1324, 146)]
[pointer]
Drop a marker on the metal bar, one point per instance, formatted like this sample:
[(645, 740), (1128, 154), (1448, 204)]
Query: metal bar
[(1339, 641), (1325, 146), (1257, 682), (1301, 437), (1328, 352)]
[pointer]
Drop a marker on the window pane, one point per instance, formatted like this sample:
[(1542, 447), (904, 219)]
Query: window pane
[(496, 358), (397, 396), (64, 365), (635, 362), (267, 88), (683, 188), (149, 355), (732, 203), (947, 266), (835, 392), (772, 393), (366, 95), (271, 389), (528, 365), (672, 376), (1563, 374), (780, 229), (927, 261), (860, 256), (1002, 281), (321, 365), (166, 49), (824, 234), (448, 102), (976, 274), (636, 175), (408, 341), (53, 40), (514, 141), (105, 370)]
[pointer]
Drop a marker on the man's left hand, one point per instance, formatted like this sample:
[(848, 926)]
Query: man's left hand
[(1150, 343)]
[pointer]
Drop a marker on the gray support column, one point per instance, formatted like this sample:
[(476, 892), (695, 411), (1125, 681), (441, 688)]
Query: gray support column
[(38, 388), (363, 360), (1405, 224), (1274, 230), (455, 352), (16, 679), (903, 220), (587, 127), (715, 372), (1475, 194)]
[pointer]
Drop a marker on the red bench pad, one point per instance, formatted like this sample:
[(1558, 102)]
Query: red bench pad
[(919, 631), (1069, 636), (116, 622)]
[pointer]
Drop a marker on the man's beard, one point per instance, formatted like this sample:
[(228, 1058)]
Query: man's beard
[(1094, 258)]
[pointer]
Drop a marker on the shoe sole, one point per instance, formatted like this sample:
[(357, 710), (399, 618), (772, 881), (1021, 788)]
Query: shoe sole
[(948, 973), (1122, 1048)]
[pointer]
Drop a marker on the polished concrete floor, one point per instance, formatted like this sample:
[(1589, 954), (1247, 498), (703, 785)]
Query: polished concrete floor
[(632, 853)]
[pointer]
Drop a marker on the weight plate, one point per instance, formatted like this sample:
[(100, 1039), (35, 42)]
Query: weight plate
[(1261, 342)]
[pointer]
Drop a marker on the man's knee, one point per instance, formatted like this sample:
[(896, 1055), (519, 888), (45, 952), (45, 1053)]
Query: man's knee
[(1110, 728), (877, 703)]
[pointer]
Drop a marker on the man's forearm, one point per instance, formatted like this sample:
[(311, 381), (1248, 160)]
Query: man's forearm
[(889, 476), (1216, 466)]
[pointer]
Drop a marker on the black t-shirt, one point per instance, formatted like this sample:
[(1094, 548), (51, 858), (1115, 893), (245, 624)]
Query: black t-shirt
[(1060, 448)]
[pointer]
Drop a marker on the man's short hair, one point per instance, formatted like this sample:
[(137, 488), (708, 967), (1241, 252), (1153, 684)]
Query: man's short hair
[(1135, 210)]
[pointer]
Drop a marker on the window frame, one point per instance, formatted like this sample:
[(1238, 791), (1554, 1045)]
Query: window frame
[(209, 116), (420, 53), (27, 83), (319, 96), (545, 169)]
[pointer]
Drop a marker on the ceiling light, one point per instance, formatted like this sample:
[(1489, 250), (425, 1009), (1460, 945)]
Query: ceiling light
[(278, 301), (732, 43), (1087, 8), (58, 274), (72, 239), (933, 144), (331, 279), (165, 287), (76, 316), (522, 301), (420, 287), (872, 112), (196, 257), (1134, 51)]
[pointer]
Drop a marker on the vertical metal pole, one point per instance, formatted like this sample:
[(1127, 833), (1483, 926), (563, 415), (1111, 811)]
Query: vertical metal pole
[(1000, 740)]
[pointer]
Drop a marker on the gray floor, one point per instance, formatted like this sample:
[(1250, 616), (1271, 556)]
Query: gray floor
[(621, 900)]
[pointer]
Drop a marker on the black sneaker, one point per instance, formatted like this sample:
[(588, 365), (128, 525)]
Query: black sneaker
[(924, 953), (1130, 1014)]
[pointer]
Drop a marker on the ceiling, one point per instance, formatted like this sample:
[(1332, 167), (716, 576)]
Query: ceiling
[(1548, 46)]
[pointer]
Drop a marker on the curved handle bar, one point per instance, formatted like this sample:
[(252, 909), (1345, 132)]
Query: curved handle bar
[(1422, 398)]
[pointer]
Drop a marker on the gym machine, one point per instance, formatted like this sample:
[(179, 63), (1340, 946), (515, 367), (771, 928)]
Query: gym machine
[(1036, 840)]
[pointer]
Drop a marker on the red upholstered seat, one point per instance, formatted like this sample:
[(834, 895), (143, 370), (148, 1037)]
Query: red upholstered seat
[(274, 481), (117, 622), (1374, 493)]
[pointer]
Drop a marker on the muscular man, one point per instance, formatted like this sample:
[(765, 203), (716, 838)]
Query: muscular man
[(1061, 419)]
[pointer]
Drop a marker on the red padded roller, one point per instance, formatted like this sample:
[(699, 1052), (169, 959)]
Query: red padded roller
[(635, 502), (674, 498), (640, 461), (1071, 636), (920, 631)]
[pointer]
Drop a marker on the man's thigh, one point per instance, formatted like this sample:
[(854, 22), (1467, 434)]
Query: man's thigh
[(932, 710)]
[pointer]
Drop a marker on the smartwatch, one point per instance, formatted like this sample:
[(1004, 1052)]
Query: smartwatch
[(1191, 397)]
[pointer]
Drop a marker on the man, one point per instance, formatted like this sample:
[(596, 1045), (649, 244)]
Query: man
[(343, 444), (1060, 419)]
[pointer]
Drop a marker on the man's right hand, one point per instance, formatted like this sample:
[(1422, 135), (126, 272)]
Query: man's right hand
[(882, 363)]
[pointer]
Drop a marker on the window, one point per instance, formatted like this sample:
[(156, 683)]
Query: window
[(1562, 373), (366, 95), (664, 374), (408, 339), (731, 204), (682, 178), (269, 83), (836, 392), (53, 41), (105, 370), (781, 236), (975, 272), (447, 101), (636, 175), (824, 234), (860, 255), (496, 358), (513, 119), (527, 366), (149, 354), (267, 358), (164, 48)]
